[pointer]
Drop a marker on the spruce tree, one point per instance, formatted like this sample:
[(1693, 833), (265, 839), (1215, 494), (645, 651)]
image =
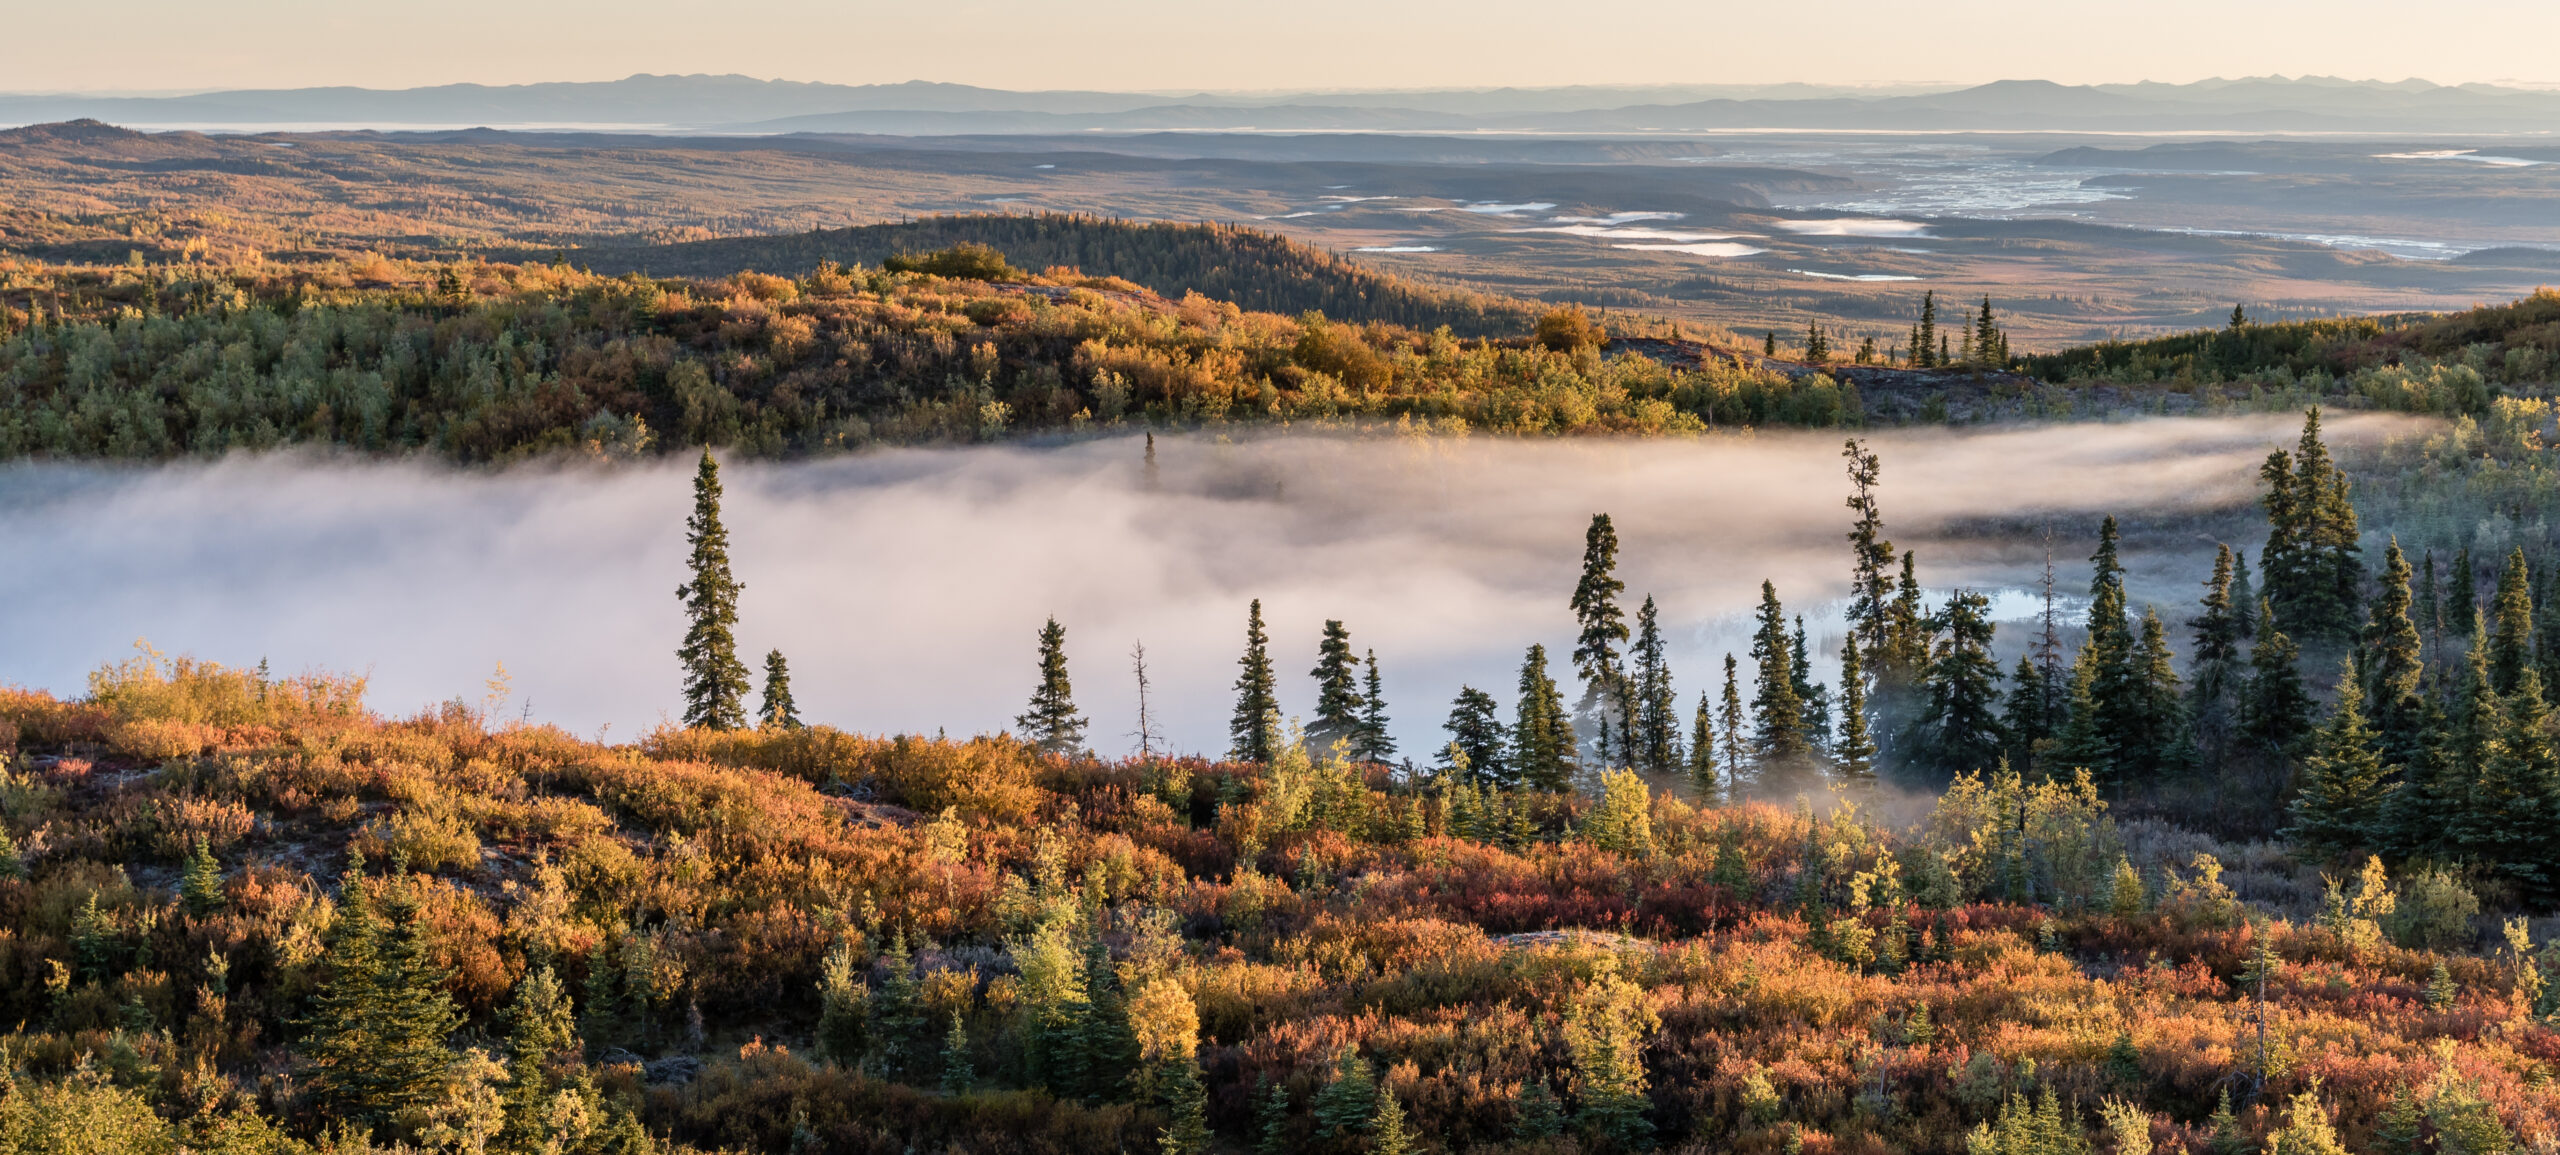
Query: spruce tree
[(2110, 654), (1904, 658), (1925, 340), (1270, 1117), (1050, 721), (2028, 716), (2511, 642), (1656, 730), (1375, 744), (2313, 575), (1107, 1044), (1871, 582), (1784, 753), (1186, 1106), (1387, 1134), (2430, 606), (1603, 628), (959, 1075), (2525, 768), (1347, 1102), (1254, 730), (1542, 738), (715, 681), (1959, 730), (1476, 732), (1729, 715), (841, 1004), (376, 1043), (1704, 777), (1337, 675), (1815, 695), (2159, 729), (778, 711), (1853, 756), (2500, 817), (2082, 743), (2213, 698), (2394, 663), (544, 1057), (200, 888), (2343, 784), (894, 1014), (2276, 712)]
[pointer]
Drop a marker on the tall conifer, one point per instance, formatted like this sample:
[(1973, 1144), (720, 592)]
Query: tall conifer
[(1603, 628), (1656, 730), (2028, 716), (1337, 675), (1254, 730), (1815, 695), (1476, 731), (2110, 653), (1376, 744), (1853, 756), (1051, 721), (1785, 753), (1542, 737), (2339, 805), (1703, 775), (2394, 663), (715, 681), (2213, 697), (1871, 555), (2159, 713), (1960, 730), (1729, 715), (2276, 712), (2511, 643)]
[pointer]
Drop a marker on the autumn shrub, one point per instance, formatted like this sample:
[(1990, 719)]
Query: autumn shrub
[(2432, 910), (151, 687)]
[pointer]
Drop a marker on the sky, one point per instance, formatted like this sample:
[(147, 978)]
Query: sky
[(1153, 45)]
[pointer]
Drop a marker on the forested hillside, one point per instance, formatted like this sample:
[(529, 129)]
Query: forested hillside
[(1255, 270), (2450, 363), (488, 362), (247, 914)]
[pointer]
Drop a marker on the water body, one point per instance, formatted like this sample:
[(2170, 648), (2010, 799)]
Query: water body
[(907, 587)]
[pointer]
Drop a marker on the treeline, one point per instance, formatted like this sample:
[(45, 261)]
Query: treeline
[(495, 362), (1258, 271), (2452, 363)]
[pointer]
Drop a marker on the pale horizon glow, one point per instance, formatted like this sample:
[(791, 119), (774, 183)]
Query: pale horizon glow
[(165, 46)]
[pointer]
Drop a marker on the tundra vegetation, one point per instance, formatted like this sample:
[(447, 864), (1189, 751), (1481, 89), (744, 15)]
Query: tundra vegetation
[(2282, 900)]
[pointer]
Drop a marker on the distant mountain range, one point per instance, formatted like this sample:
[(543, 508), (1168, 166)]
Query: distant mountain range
[(747, 105)]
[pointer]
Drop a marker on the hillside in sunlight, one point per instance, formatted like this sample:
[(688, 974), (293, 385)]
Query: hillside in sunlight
[(1255, 270), (246, 914)]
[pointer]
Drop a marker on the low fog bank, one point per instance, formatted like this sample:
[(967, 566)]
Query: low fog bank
[(906, 587)]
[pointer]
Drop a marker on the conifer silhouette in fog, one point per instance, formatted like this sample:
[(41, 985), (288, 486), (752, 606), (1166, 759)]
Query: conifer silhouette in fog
[(715, 681)]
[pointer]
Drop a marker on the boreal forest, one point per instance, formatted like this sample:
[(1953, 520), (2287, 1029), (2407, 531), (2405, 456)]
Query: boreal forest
[(2267, 871)]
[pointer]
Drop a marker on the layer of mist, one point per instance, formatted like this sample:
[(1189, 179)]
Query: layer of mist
[(906, 587)]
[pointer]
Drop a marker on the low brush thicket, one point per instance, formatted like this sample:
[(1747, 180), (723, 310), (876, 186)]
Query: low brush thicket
[(244, 914)]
